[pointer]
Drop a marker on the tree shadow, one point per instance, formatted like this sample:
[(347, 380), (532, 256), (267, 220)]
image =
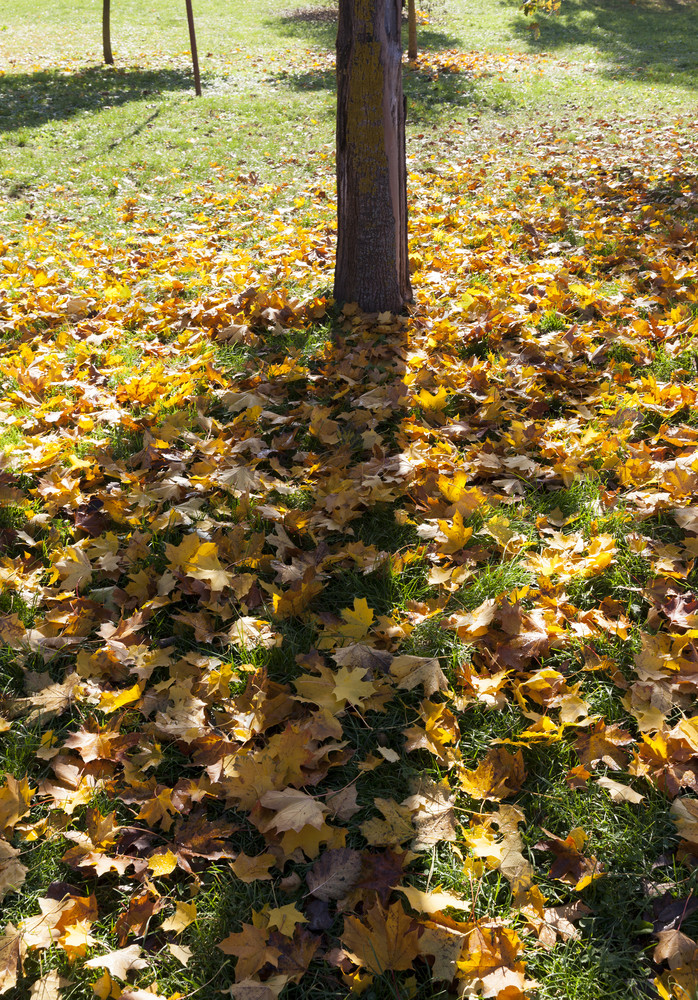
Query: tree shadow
[(652, 39), (318, 26), (429, 96), (353, 475), (29, 100)]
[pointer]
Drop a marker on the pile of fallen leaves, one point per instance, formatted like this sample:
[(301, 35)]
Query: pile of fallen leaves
[(189, 481)]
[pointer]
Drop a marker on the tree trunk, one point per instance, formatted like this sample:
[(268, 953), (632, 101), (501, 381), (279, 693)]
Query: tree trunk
[(106, 32), (411, 30), (194, 53), (372, 263)]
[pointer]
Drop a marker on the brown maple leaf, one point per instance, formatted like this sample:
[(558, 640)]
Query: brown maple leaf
[(334, 874), (252, 949), (12, 952), (135, 919), (603, 744), (570, 865), (96, 742), (382, 939)]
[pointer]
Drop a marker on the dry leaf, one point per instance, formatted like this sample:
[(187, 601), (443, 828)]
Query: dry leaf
[(382, 939), (119, 963), (334, 874)]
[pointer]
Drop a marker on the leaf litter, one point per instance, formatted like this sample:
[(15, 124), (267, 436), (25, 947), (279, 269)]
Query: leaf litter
[(203, 459)]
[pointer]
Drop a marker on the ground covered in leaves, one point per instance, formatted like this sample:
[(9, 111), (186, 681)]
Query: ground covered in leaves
[(351, 654)]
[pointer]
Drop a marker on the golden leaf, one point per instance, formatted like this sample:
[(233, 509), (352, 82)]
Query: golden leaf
[(382, 939), (184, 914)]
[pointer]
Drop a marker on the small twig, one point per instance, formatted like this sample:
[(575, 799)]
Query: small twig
[(688, 899)]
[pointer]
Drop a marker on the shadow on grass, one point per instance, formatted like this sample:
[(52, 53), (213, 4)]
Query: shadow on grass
[(654, 40), (428, 98), (32, 99), (318, 26)]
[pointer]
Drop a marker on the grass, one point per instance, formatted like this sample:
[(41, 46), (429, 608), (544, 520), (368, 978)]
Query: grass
[(103, 169)]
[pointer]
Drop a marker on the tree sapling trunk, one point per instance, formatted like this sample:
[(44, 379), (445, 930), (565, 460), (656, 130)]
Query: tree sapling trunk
[(106, 32), (194, 53), (411, 30)]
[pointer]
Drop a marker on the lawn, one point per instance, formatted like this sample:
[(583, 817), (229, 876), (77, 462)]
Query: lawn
[(344, 654)]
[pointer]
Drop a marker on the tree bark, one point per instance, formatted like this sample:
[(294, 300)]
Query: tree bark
[(194, 53), (411, 30), (372, 260), (106, 32)]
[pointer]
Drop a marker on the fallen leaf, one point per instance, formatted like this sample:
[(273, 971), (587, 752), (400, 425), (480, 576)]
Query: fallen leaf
[(184, 914), (120, 962), (253, 869), (382, 939), (334, 874)]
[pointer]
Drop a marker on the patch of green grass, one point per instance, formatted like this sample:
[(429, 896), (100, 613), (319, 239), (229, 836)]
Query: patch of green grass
[(12, 515), (379, 527), (123, 443), (490, 581), (12, 603), (623, 581), (10, 438), (673, 368), (589, 969), (550, 321)]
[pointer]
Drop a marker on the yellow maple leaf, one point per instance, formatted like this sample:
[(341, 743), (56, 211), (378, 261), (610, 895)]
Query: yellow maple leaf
[(322, 427), (382, 939), (77, 939), (433, 901), (158, 809), (285, 919), (454, 487), (117, 293), (395, 829), (436, 401), (184, 914), (354, 626), (111, 701), (162, 864), (253, 869), (73, 567), (309, 840), (15, 797), (349, 686), (295, 600), (498, 775), (294, 810), (358, 620), (199, 560), (457, 534)]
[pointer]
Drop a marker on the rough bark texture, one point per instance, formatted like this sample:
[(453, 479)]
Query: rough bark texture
[(411, 29), (372, 263), (106, 32)]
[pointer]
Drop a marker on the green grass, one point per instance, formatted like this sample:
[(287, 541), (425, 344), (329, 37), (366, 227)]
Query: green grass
[(76, 132)]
